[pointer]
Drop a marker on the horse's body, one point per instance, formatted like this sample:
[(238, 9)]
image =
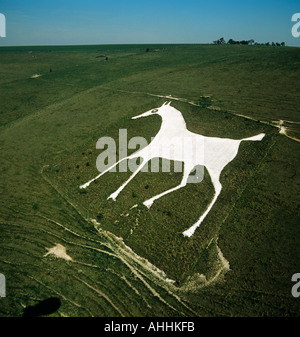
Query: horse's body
[(169, 143)]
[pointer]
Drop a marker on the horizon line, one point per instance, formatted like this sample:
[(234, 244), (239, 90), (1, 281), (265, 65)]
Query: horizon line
[(139, 44)]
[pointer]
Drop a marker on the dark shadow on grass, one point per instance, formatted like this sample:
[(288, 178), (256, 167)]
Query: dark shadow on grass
[(46, 307)]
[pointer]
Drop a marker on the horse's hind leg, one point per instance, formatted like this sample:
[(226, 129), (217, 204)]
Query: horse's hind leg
[(217, 185), (187, 170)]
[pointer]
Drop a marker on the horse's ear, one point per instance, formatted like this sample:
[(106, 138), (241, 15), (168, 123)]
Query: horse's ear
[(165, 103), (169, 103)]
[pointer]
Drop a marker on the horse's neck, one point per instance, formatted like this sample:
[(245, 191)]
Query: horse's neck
[(172, 122)]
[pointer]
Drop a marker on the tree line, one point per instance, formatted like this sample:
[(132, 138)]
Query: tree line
[(248, 42)]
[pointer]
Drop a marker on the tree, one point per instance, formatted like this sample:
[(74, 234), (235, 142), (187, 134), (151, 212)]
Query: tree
[(99, 217), (222, 41), (282, 44)]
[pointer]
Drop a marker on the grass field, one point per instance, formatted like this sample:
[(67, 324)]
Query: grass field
[(136, 262)]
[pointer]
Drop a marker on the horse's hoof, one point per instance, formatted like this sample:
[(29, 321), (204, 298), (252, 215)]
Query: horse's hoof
[(188, 233), (113, 196), (148, 203)]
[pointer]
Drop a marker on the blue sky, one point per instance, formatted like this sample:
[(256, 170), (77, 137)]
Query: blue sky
[(37, 22)]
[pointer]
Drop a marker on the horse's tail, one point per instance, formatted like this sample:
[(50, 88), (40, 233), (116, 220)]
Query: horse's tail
[(257, 137)]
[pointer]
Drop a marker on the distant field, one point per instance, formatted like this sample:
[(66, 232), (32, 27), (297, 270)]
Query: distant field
[(136, 262)]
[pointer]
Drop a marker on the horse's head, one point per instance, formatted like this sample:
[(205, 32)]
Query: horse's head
[(157, 111)]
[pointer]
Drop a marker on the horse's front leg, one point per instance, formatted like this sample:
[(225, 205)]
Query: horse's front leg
[(107, 170), (114, 195)]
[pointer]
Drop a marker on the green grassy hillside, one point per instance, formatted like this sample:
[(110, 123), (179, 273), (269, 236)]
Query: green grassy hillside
[(239, 261)]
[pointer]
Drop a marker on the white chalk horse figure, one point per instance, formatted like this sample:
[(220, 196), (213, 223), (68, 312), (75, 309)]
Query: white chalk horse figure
[(218, 152)]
